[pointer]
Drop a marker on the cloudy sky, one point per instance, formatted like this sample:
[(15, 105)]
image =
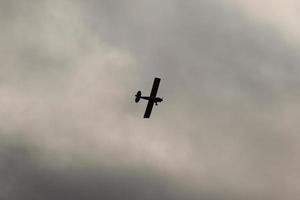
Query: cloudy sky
[(227, 130)]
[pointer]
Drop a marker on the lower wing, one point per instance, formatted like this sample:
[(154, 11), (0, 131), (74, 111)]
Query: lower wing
[(149, 109)]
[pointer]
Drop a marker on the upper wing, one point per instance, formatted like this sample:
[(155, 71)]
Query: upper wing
[(155, 87), (148, 109)]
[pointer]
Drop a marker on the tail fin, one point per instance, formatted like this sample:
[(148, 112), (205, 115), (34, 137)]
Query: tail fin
[(138, 96)]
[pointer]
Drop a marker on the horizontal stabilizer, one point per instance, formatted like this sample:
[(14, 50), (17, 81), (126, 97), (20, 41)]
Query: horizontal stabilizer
[(138, 96)]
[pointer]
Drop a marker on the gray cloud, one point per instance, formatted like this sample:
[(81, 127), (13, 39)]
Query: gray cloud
[(70, 129)]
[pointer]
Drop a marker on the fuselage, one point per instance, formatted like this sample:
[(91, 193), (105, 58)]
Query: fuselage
[(154, 99)]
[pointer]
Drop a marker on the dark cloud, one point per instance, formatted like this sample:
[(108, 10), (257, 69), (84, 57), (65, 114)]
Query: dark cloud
[(26, 177)]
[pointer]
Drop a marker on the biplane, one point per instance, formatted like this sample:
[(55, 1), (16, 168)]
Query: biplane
[(152, 99)]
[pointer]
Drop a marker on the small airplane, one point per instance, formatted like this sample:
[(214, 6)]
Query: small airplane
[(152, 99)]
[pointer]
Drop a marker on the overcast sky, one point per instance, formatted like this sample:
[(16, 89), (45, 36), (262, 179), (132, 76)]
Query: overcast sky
[(228, 127)]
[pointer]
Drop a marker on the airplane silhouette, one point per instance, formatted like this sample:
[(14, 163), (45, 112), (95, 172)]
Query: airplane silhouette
[(151, 99)]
